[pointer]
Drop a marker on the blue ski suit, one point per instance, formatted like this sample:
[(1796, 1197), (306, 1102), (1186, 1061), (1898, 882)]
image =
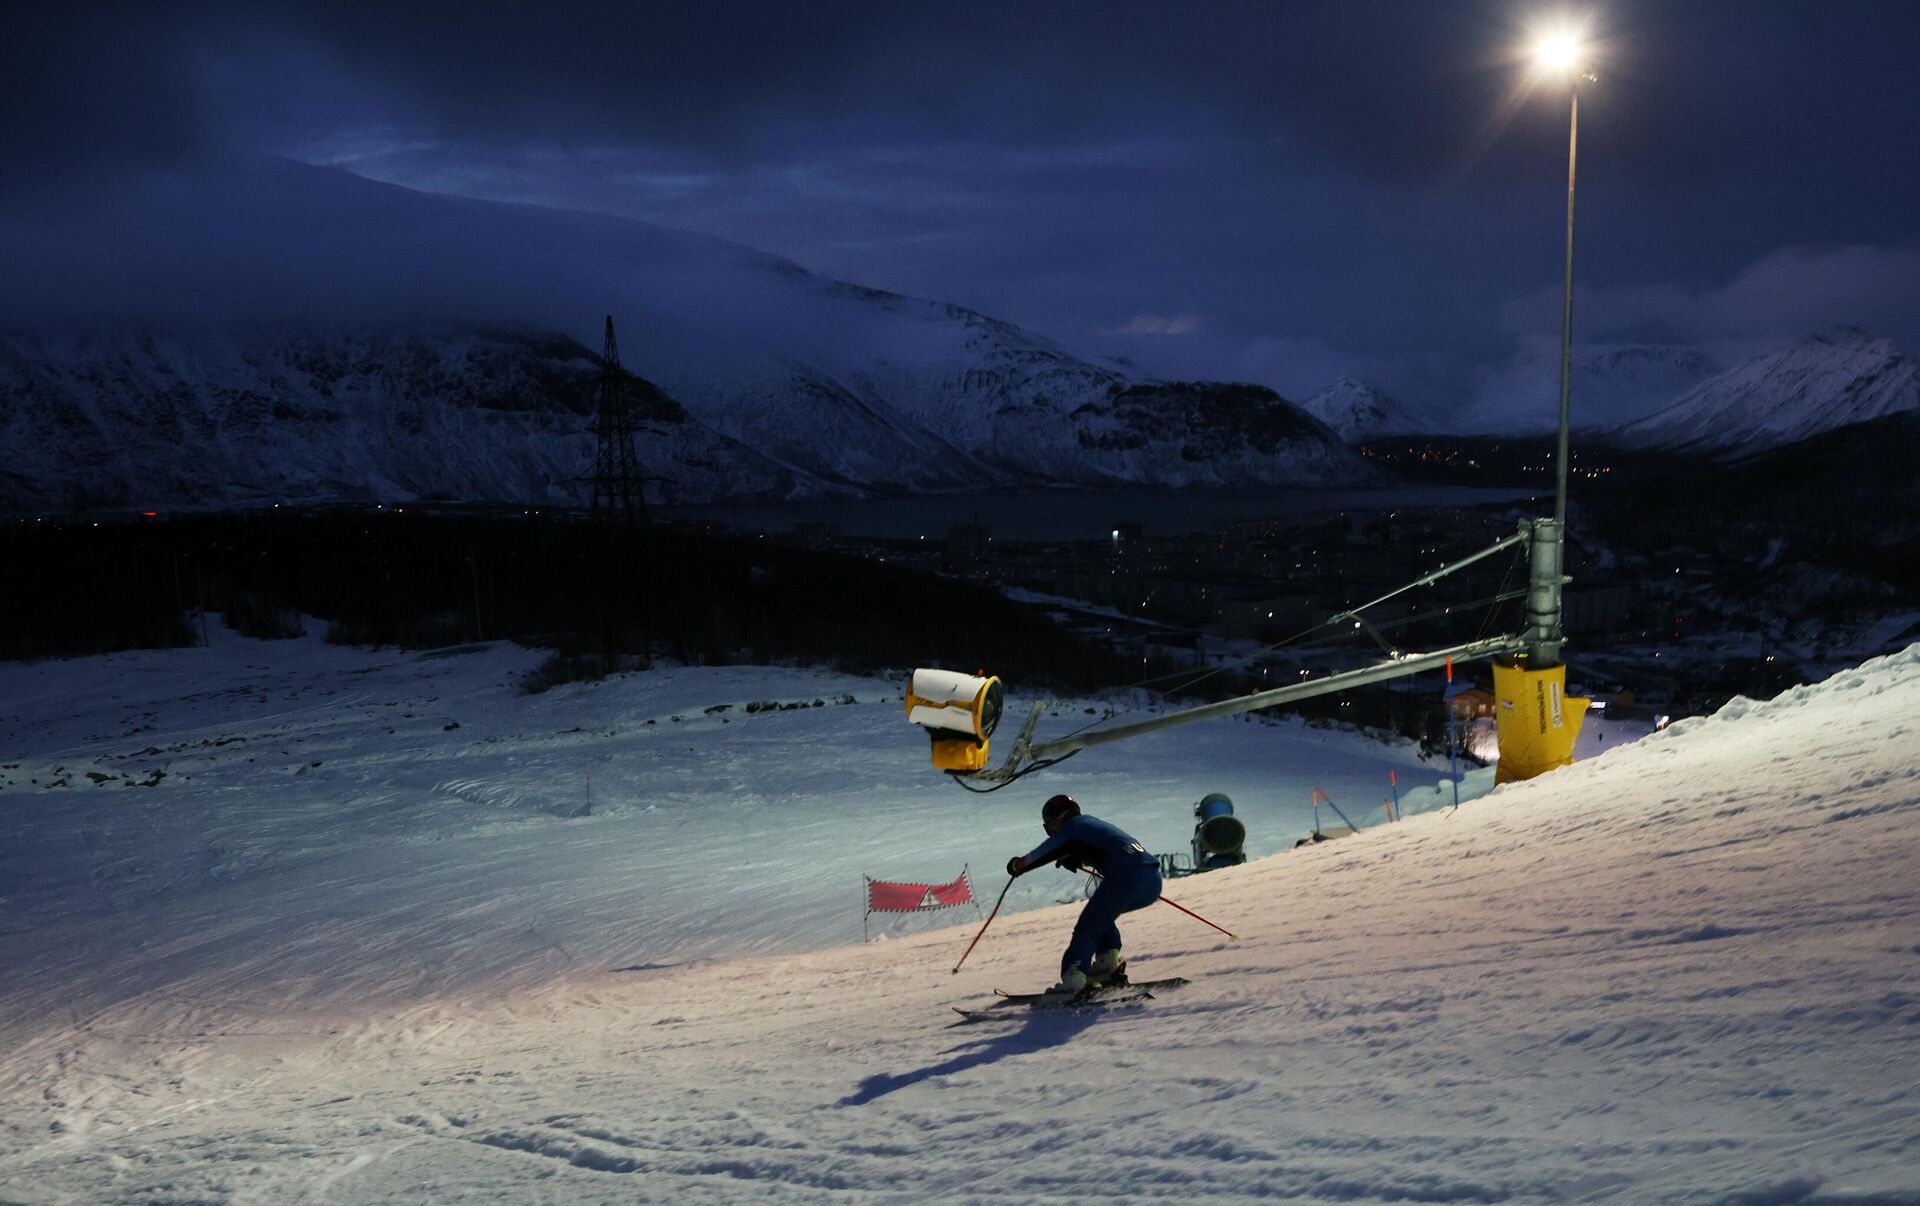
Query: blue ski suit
[(1130, 879)]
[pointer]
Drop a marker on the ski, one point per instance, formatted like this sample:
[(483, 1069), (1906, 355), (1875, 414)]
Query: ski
[(1118, 994), (1091, 994)]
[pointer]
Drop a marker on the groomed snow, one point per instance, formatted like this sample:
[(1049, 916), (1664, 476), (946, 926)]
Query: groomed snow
[(1684, 970)]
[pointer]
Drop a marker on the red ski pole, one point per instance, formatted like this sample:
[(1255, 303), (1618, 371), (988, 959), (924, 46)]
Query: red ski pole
[(983, 926), (1184, 909), (1189, 912)]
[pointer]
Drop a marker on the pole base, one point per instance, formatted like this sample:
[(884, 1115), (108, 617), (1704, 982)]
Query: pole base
[(1537, 723)]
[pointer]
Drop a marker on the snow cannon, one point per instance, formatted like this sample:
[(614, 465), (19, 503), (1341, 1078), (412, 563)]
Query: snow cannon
[(1219, 839), (1536, 720), (959, 712)]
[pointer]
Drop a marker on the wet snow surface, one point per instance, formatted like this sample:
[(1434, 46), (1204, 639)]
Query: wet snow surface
[(382, 929)]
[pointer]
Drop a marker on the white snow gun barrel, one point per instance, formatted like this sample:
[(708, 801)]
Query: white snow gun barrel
[(1219, 837), (959, 712)]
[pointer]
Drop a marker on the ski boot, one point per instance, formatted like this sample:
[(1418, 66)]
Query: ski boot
[(1073, 983), (1109, 970)]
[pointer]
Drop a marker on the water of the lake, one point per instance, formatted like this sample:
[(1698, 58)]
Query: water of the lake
[(1081, 514)]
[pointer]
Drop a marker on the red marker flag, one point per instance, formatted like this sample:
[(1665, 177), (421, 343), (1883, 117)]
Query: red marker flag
[(887, 897)]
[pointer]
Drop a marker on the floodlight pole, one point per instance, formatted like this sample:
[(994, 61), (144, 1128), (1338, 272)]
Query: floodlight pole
[(1566, 317), (1545, 577), (1546, 565)]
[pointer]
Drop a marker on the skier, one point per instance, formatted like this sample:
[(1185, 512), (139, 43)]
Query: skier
[(1130, 879)]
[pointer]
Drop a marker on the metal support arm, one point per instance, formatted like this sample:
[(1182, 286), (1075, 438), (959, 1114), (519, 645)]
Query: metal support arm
[(1541, 641), (1429, 578), (1024, 750)]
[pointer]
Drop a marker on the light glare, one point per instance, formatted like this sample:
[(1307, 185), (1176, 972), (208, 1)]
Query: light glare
[(1558, 52)]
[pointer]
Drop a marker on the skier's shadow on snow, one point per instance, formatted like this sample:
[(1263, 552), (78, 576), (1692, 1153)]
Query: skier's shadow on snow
[(1042, 1029)]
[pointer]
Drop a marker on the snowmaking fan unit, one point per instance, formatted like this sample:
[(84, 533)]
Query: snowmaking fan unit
[(1219, 839), (959, 712)]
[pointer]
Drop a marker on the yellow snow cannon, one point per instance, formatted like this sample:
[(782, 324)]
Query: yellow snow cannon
[(1536, 721), (959, 712)]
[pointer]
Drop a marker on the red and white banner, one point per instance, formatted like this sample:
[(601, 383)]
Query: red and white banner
[(886, 897)]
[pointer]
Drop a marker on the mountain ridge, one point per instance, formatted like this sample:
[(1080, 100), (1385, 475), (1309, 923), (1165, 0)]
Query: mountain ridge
[(1358, 409), (1611, 386), (792, 384), (1819, 384)]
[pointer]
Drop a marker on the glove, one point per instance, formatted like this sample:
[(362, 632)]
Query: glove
[(1070, 865), (1016, 865)]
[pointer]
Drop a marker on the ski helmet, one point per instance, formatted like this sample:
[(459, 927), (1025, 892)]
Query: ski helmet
[(1058, 809)]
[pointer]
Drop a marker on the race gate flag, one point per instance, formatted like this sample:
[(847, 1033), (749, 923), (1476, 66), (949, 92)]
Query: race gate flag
[(886, 896)]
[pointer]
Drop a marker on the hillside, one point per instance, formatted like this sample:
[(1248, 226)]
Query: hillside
[(352, 347), (297, 415), (538, 955), (1784, 396), (1854, 485), (1611, 387), (1359, 409)]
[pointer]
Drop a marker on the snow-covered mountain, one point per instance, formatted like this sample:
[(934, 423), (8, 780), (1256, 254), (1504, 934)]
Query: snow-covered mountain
[(274, 287), (1817, 385), (1610, 387), (1629, 382), (1358, 409), (261, 414)]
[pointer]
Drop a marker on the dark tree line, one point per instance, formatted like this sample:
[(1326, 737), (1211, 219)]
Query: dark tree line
[(420, 581)]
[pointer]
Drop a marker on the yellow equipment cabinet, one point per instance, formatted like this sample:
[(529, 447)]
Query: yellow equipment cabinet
[(1537, 722), (959, 712)]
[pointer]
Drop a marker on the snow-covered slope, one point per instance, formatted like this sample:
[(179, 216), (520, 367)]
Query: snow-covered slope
[(1820, 384), (844, 387), (1610, 387), (343, 950), (1358, 409)]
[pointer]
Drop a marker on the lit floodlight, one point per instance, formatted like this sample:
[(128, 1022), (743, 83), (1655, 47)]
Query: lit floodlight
[(1558, 52)]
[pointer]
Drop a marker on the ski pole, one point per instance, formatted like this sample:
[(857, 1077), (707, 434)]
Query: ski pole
[(983, 926), (1184, 909), (1189, 912), (1453, 749)]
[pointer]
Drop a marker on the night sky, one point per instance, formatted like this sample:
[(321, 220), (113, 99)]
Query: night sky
[(1274, 192)]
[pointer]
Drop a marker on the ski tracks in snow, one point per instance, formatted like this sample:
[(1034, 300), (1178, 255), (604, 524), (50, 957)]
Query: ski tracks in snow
[(1684, 971)]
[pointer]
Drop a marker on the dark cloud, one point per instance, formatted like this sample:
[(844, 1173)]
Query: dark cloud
[(1254, 189), (91, 87), (1690, 92)]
